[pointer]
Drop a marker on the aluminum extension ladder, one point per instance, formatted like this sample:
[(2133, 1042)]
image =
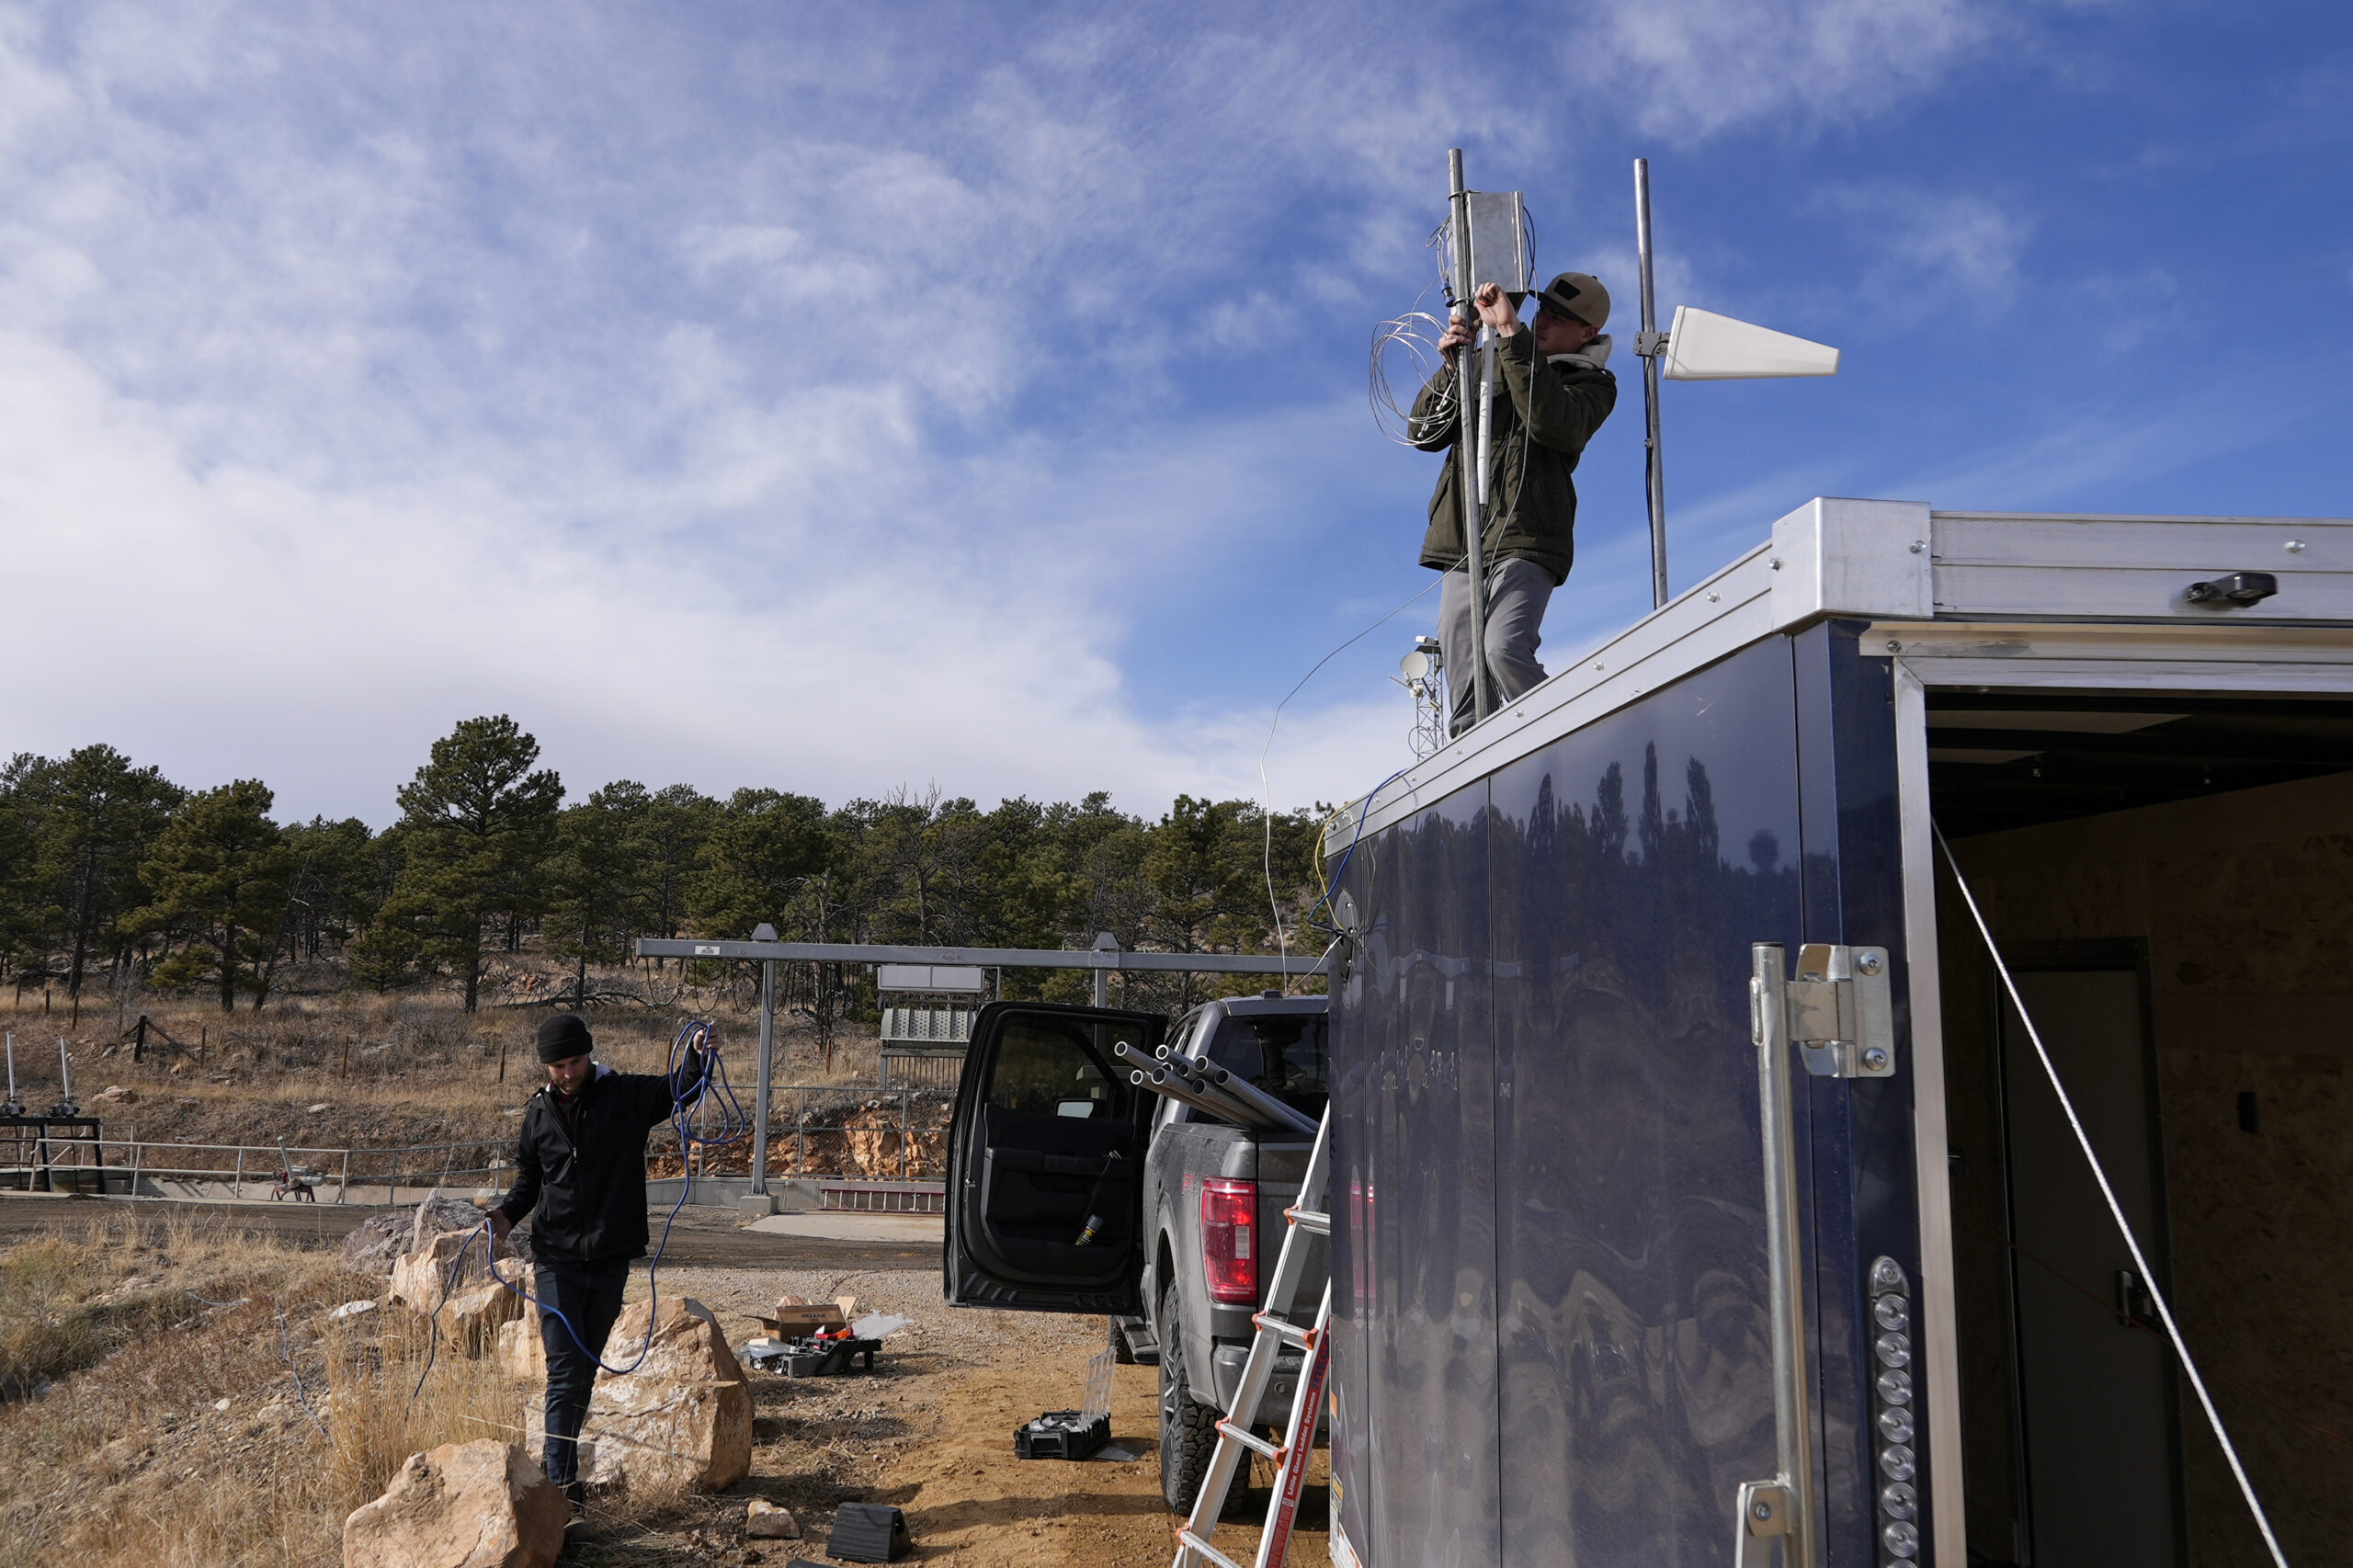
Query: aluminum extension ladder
[(1274, 1330)]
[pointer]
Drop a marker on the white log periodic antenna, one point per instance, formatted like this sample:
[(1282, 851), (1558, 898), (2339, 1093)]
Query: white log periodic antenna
[(1705, 347), (2116, 1211), (1701, 346)]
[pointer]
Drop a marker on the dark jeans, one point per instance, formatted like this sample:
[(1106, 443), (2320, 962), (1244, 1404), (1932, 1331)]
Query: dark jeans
[(589, 1294)]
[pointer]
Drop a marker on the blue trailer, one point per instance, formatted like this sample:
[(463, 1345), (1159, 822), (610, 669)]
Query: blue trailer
[(1696, 1199)]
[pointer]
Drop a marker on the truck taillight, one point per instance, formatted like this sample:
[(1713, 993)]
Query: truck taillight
[(1228, 1240)]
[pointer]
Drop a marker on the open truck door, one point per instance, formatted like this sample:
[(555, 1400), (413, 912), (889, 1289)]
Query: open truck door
[(1045, 1162)]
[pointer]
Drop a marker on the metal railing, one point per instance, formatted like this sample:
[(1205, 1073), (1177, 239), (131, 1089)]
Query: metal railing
[(282, 1167), (835, 1130)]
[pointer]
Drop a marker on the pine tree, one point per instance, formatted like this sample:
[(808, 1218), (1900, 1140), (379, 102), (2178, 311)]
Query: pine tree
[(219, 873), (339, 882), (764, 845), (679, 821), (94, 818), (25, 914), (477, 824), (597, 880)]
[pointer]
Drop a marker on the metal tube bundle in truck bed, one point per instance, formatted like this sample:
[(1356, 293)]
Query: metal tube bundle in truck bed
[(1207, 1087)]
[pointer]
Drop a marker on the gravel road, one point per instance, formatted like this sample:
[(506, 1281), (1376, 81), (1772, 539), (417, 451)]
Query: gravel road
[(707, 1238)]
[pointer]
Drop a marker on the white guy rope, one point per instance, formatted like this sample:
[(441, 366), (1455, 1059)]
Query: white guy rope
[(1265, 793), (2116, 1210)]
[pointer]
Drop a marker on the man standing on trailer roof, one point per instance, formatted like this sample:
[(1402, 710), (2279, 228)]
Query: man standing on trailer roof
[(580, 1160), (1554, 392)]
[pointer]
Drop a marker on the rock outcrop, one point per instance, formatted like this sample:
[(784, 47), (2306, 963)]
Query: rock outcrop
[(682, 1420), (478, 1504)]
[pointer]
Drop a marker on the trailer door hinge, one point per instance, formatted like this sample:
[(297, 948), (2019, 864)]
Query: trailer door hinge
[(1836, 1011), (1764, 1513)]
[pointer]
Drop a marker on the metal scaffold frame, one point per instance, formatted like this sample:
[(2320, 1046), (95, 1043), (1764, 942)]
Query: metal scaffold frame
[(1105, 956)]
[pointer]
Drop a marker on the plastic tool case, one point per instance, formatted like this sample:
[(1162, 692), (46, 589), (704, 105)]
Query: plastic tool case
[(868, 1532), (1062, 1435)]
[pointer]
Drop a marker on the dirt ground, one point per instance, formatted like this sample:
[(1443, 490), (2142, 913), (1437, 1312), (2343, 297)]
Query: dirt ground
[(932, 1430), (715, 1237), (196, 1423)]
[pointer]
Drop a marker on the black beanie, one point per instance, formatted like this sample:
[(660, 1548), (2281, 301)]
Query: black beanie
[(564, 1035)]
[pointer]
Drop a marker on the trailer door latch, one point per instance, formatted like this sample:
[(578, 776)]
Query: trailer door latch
[(1836, 1011)]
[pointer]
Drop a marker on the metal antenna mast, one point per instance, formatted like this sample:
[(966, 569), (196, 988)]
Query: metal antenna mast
[(1466, 451), (1650, 344)]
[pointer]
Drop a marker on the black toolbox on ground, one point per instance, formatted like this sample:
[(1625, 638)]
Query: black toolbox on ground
[(868, 1532), (822, 1357), (1062, 1435)]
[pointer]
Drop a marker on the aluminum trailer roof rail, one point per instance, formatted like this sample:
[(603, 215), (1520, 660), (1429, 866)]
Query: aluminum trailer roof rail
[(1000, 958), (1964, 598)]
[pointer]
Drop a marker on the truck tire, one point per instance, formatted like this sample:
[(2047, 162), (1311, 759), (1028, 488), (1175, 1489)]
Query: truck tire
[(1187, 1426), (1122, 1353)]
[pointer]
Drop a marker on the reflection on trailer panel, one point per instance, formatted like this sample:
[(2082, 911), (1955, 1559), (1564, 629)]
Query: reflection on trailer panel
[(1606, 1296)]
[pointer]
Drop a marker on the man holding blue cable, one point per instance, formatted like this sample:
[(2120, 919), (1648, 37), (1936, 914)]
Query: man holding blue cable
[(581, 1163)]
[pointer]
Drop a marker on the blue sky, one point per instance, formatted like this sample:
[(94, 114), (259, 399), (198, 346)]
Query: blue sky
[(843, 398)]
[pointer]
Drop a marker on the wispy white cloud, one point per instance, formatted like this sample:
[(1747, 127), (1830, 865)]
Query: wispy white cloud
[(706, 466), (1690, 69), (1930, 249), (835, 401)]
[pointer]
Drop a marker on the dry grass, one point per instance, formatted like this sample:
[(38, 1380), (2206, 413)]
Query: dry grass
[(183, 1441), (388, 1397), (409, 1049), (394, 1072)]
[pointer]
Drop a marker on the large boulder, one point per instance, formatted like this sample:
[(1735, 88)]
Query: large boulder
[(378, 1241), (381, 1240), (478, 1504), (468, 1323), (682, 1420), (469, 1316), (441, 1212), (521, 1354)]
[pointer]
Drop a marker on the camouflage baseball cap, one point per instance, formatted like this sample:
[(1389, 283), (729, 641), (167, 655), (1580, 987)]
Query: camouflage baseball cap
[(1578, 294)]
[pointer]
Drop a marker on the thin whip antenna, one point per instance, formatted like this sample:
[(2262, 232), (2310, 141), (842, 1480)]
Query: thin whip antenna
[(1265, 792), (2116, 1210), (1647, 345)]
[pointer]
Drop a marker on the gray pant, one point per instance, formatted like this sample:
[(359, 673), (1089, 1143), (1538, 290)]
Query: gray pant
[(1517, 592)]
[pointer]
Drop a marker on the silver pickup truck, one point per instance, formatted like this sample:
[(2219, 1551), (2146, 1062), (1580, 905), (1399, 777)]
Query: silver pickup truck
[(1071, 1189)]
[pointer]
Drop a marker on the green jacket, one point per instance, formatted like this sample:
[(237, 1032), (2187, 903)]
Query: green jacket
[(1531, 499)]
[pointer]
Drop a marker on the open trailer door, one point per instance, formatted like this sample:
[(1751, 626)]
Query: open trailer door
[(1045, 1162)]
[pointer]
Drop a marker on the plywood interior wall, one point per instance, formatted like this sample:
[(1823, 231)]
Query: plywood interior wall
[(2244, 904)]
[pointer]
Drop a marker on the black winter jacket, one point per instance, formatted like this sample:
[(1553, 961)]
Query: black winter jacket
[(1545, 411), (590, 1188)]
